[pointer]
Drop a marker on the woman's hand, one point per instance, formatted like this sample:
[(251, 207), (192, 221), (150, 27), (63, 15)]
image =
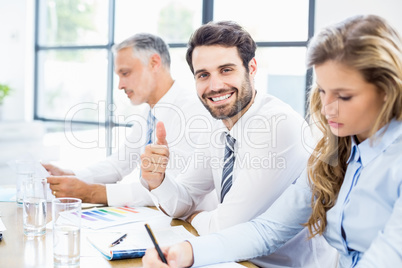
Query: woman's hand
[(179, 255)]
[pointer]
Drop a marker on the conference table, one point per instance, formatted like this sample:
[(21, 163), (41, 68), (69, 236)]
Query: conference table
[(18, 250)]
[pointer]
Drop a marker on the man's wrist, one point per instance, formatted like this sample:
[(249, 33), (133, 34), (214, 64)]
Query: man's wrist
[(97, 193), (155, 183)]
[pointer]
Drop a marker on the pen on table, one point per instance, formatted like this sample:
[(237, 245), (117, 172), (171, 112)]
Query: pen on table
[(118, 241), (155, 243)]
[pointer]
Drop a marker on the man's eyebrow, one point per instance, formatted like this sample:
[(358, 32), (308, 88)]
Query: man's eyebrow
[(227, 65), (219, 67), (199, 71), (121, 70)]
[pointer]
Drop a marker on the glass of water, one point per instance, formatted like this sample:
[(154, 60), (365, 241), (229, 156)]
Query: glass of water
[(34, 206), (25, 170), (66, 216)]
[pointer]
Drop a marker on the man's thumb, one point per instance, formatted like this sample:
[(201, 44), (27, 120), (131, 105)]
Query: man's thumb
[(161, 134)]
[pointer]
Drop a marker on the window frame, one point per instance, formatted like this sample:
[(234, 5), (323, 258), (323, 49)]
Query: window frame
[(109, 124)]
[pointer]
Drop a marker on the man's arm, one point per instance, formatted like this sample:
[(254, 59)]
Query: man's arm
[(182, 196), (86, 183), (64, 186), (118, 165)]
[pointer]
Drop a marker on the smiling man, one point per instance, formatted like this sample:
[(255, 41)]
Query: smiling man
[(216, 84), (252, 154)]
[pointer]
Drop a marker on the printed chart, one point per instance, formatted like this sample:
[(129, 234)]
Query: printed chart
[(98, 218)]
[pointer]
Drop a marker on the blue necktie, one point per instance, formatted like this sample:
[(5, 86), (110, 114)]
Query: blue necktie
[(150, 130), (227, 173), (150, 127)]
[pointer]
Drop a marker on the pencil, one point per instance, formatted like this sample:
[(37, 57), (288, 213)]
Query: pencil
[(155, 243)]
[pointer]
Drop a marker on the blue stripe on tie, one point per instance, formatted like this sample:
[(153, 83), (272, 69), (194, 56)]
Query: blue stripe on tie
[(227, 173), (150, 130), (150, 127)]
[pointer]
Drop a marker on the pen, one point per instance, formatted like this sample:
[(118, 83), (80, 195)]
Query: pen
[(118, 241), (155, 243)]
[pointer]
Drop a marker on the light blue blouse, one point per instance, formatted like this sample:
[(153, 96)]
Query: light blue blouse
[(365, 225)]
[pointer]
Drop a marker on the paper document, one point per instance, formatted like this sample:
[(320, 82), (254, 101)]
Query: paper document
[(223, 265), (39, 171), (98, 218)]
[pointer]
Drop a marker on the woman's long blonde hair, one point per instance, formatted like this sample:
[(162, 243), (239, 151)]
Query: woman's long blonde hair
[(367, 44)]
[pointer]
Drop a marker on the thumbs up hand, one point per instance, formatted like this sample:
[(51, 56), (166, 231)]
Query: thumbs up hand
[(155, 159), (161, 134)]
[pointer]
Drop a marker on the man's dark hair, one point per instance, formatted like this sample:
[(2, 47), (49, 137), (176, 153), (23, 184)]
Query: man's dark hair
[(223, 33)]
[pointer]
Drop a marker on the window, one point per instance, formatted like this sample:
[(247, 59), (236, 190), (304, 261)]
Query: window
[(74, 81)]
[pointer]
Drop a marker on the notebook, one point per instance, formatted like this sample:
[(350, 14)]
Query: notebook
[(136, 242)]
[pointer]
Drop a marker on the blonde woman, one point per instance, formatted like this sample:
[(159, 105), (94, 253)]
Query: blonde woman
[(352, 190)]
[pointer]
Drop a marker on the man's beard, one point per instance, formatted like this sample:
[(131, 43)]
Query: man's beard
[(241, 102)]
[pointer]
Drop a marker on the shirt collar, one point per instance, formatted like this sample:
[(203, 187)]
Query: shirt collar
[(370, 149), (237, 129), (167, 99), (354, 153)]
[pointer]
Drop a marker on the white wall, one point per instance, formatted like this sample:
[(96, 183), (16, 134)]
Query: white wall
[(16, 57), (330, 11)]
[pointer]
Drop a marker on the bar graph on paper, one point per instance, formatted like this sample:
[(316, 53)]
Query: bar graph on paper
[(104, 217)]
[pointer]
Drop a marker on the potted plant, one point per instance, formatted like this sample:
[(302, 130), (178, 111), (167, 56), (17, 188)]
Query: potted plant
[(4, 92)]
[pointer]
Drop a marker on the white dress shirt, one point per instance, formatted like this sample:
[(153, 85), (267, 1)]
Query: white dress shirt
[(364, 225), (269, 156), (182, 114)]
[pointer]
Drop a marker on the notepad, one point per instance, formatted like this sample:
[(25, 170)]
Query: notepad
[(136, 242)]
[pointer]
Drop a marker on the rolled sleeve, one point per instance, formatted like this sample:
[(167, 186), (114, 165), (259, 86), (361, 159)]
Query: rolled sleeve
[(167, 196)]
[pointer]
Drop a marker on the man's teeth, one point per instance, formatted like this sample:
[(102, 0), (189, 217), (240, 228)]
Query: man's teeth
[(224, 97)]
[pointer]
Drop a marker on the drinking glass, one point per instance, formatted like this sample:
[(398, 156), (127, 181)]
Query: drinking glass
[(25, 170), (34, 206), (66, 215)]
